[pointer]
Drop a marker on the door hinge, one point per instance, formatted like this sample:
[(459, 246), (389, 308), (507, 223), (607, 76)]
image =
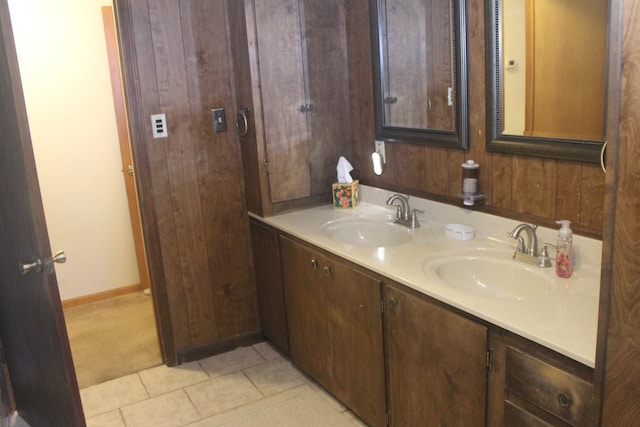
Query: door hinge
[(489, 358), (266, 167)]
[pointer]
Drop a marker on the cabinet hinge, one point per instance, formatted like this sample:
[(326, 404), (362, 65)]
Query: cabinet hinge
[(382, 306), (489, 358), (388, 418), (266, 167)]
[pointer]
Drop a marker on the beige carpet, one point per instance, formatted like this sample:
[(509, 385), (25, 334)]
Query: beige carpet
[(112, 338)]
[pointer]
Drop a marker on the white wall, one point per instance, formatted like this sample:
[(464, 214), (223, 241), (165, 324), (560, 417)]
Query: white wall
[(65, 76)]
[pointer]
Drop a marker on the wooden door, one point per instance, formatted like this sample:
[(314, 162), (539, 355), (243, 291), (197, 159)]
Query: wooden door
[(566, 82), (437, 369), (32, 328)]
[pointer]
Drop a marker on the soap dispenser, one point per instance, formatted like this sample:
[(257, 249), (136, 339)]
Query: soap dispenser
[(565, 249)]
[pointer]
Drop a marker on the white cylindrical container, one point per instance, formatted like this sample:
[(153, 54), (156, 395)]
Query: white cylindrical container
[(470, 173)]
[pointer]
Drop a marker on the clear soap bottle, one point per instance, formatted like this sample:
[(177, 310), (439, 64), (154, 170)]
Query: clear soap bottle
[(564, 254)]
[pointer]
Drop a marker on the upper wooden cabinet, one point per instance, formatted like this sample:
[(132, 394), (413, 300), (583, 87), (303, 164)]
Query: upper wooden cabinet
[(292, 80)]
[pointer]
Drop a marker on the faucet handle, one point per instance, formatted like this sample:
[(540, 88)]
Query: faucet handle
[(520, 247), (414, 218), (544, 260)]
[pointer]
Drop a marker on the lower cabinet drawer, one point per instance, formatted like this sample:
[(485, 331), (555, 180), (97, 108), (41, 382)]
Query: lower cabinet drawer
[(556, 391), (515, 416)]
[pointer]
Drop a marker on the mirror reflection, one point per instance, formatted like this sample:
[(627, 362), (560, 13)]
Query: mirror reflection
[(419, 50), (417, 56), (553, 68)]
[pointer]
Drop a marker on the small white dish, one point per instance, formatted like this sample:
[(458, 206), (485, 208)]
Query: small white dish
[(459, 232)]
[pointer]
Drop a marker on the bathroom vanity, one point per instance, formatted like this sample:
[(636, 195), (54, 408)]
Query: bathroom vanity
[(399, 346)]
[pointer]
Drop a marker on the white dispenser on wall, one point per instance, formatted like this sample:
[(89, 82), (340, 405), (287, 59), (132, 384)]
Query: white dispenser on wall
[(470, 189)]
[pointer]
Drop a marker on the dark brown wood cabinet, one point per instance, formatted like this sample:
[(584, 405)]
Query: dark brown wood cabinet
[(532, 386), (293, 82), (397, 357), (266, 260), (437, 362), (335, 328)]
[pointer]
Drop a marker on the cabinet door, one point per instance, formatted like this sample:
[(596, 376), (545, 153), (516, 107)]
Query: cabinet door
[(335, 328), (306, 305), (305, 96), (283, 92), (356, 374), (327, 74), (437, 373), (266, 258)]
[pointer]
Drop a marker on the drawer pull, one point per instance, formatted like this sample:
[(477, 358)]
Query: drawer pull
[(564, 400), (327, 271), (314, 264)]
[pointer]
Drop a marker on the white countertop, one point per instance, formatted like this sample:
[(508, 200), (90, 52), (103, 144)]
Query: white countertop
[(565, 320)]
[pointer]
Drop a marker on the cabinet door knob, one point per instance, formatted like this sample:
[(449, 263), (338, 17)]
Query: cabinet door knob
[(314, 264), (326, 271), (393, 302), (564, 400)]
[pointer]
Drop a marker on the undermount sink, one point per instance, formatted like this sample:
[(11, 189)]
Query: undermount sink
[(491, 273), (369, 232)]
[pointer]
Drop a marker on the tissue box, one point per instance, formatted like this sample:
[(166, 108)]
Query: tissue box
[(346, 195)]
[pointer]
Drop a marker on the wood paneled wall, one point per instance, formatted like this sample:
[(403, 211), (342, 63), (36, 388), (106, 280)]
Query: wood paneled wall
[(525, 188), (194, 213), (619, 337)]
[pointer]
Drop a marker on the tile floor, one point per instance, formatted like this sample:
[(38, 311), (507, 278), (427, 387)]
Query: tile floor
[(250, 386)]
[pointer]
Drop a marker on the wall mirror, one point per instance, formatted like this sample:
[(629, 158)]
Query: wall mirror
[(546, 80), (420, 74)]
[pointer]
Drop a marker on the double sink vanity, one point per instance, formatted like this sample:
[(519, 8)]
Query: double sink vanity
[(419, 325)]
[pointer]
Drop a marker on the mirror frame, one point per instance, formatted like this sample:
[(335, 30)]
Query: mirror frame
[(457, 138), (555, 148)]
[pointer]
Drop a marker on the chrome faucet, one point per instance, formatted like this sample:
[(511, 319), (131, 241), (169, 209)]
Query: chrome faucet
[(530, 231), (404, 214)]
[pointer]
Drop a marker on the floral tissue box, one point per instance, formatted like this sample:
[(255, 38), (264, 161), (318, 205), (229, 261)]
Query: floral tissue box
[(346, 195)]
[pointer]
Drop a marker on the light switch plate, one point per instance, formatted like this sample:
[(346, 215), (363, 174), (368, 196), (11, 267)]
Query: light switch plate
[(379, 148), (219, 120), (159, 126)]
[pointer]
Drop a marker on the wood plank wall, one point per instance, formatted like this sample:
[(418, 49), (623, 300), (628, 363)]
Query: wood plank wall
[(619, 337), (526, 188), (196, 221)]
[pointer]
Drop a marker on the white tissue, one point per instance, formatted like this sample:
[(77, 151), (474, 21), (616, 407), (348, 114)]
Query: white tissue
[(343, 169)]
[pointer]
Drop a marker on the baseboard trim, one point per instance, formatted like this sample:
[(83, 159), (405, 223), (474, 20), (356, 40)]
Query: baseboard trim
[(86, 299), (217, 347)]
